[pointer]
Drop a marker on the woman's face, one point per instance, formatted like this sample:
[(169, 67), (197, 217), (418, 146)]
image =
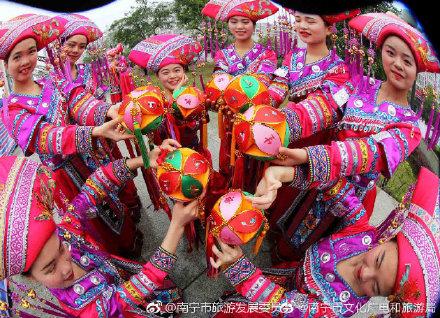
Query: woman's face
[(398, 63), (53, 266), (22, 60), (241, 28), (75, 47), (170, 76), (311, 28), (372, 273)]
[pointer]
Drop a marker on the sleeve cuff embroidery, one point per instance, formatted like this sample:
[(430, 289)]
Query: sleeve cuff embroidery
[(163, 260), (239, 271)]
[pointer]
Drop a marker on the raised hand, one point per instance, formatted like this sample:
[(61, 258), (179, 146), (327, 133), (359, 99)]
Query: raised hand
[(293, 157), (182, 82), (112, 130), (167, 145), (227, 255), (268, 186)]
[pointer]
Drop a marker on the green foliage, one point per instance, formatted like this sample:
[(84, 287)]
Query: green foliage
[(399, 183), (188, 14), (141, 22)]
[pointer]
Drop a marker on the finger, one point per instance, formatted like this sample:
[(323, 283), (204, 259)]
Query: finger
[(216, 251), (125, 137), (215, 264), (225, 247), (115, 121), (174, 143), (274, 186), (263, 200), (192, 204)]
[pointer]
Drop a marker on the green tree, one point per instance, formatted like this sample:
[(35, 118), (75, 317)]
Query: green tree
[(188, 14), (141, 22)]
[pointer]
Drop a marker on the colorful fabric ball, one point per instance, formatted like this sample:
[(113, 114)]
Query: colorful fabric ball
[(189, 103), (217, 86), (145, 106), (234, 220), (261, 131), (245, 91), (184, 174)]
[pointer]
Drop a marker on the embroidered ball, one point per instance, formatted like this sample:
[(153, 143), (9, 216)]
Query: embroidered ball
[(144, 106), (261, 131), (234, 220), (216, 87), (189, 103), (245, 91), (184, 174)]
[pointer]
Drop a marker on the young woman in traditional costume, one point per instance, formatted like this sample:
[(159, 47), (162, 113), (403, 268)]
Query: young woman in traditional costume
[(78, 33), (168, 56), (87, 281), (244, 56), (63, 123), (399, 259), (315, 68), (377, 130)]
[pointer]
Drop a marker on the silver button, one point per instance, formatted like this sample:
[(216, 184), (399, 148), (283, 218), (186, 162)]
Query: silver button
[(344, 296), (325, 257), (358, 103), (391, 110), (14, 99), (240, 66), (316, 68), (77, 288), (30, 102), (95, 280), (366, 240), (371, 184), (84, 260), (300, 53), (330, 277), (375, 109), (371, 81), (407, 113), (299, 66), (45, 105)]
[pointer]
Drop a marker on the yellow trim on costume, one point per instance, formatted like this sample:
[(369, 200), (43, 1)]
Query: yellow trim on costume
[(132, 291), (364, 152), (277, 296)]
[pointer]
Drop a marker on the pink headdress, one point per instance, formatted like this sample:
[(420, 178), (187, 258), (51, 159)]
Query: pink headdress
[(161, 50), (418, 274), (39, 27), (76, 24), (26, 205), (253, 9)]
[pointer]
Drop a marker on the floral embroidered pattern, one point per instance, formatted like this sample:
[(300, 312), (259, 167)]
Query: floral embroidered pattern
[(163, 260), (239, 271)]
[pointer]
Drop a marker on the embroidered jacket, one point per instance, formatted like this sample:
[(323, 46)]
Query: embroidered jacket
[(297, 79), (57, 125), (258, 60), (54, 125), (316, 289), (371, 139), (104, 291)]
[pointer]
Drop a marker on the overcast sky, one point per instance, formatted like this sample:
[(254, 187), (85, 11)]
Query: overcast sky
[(102, 16)]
